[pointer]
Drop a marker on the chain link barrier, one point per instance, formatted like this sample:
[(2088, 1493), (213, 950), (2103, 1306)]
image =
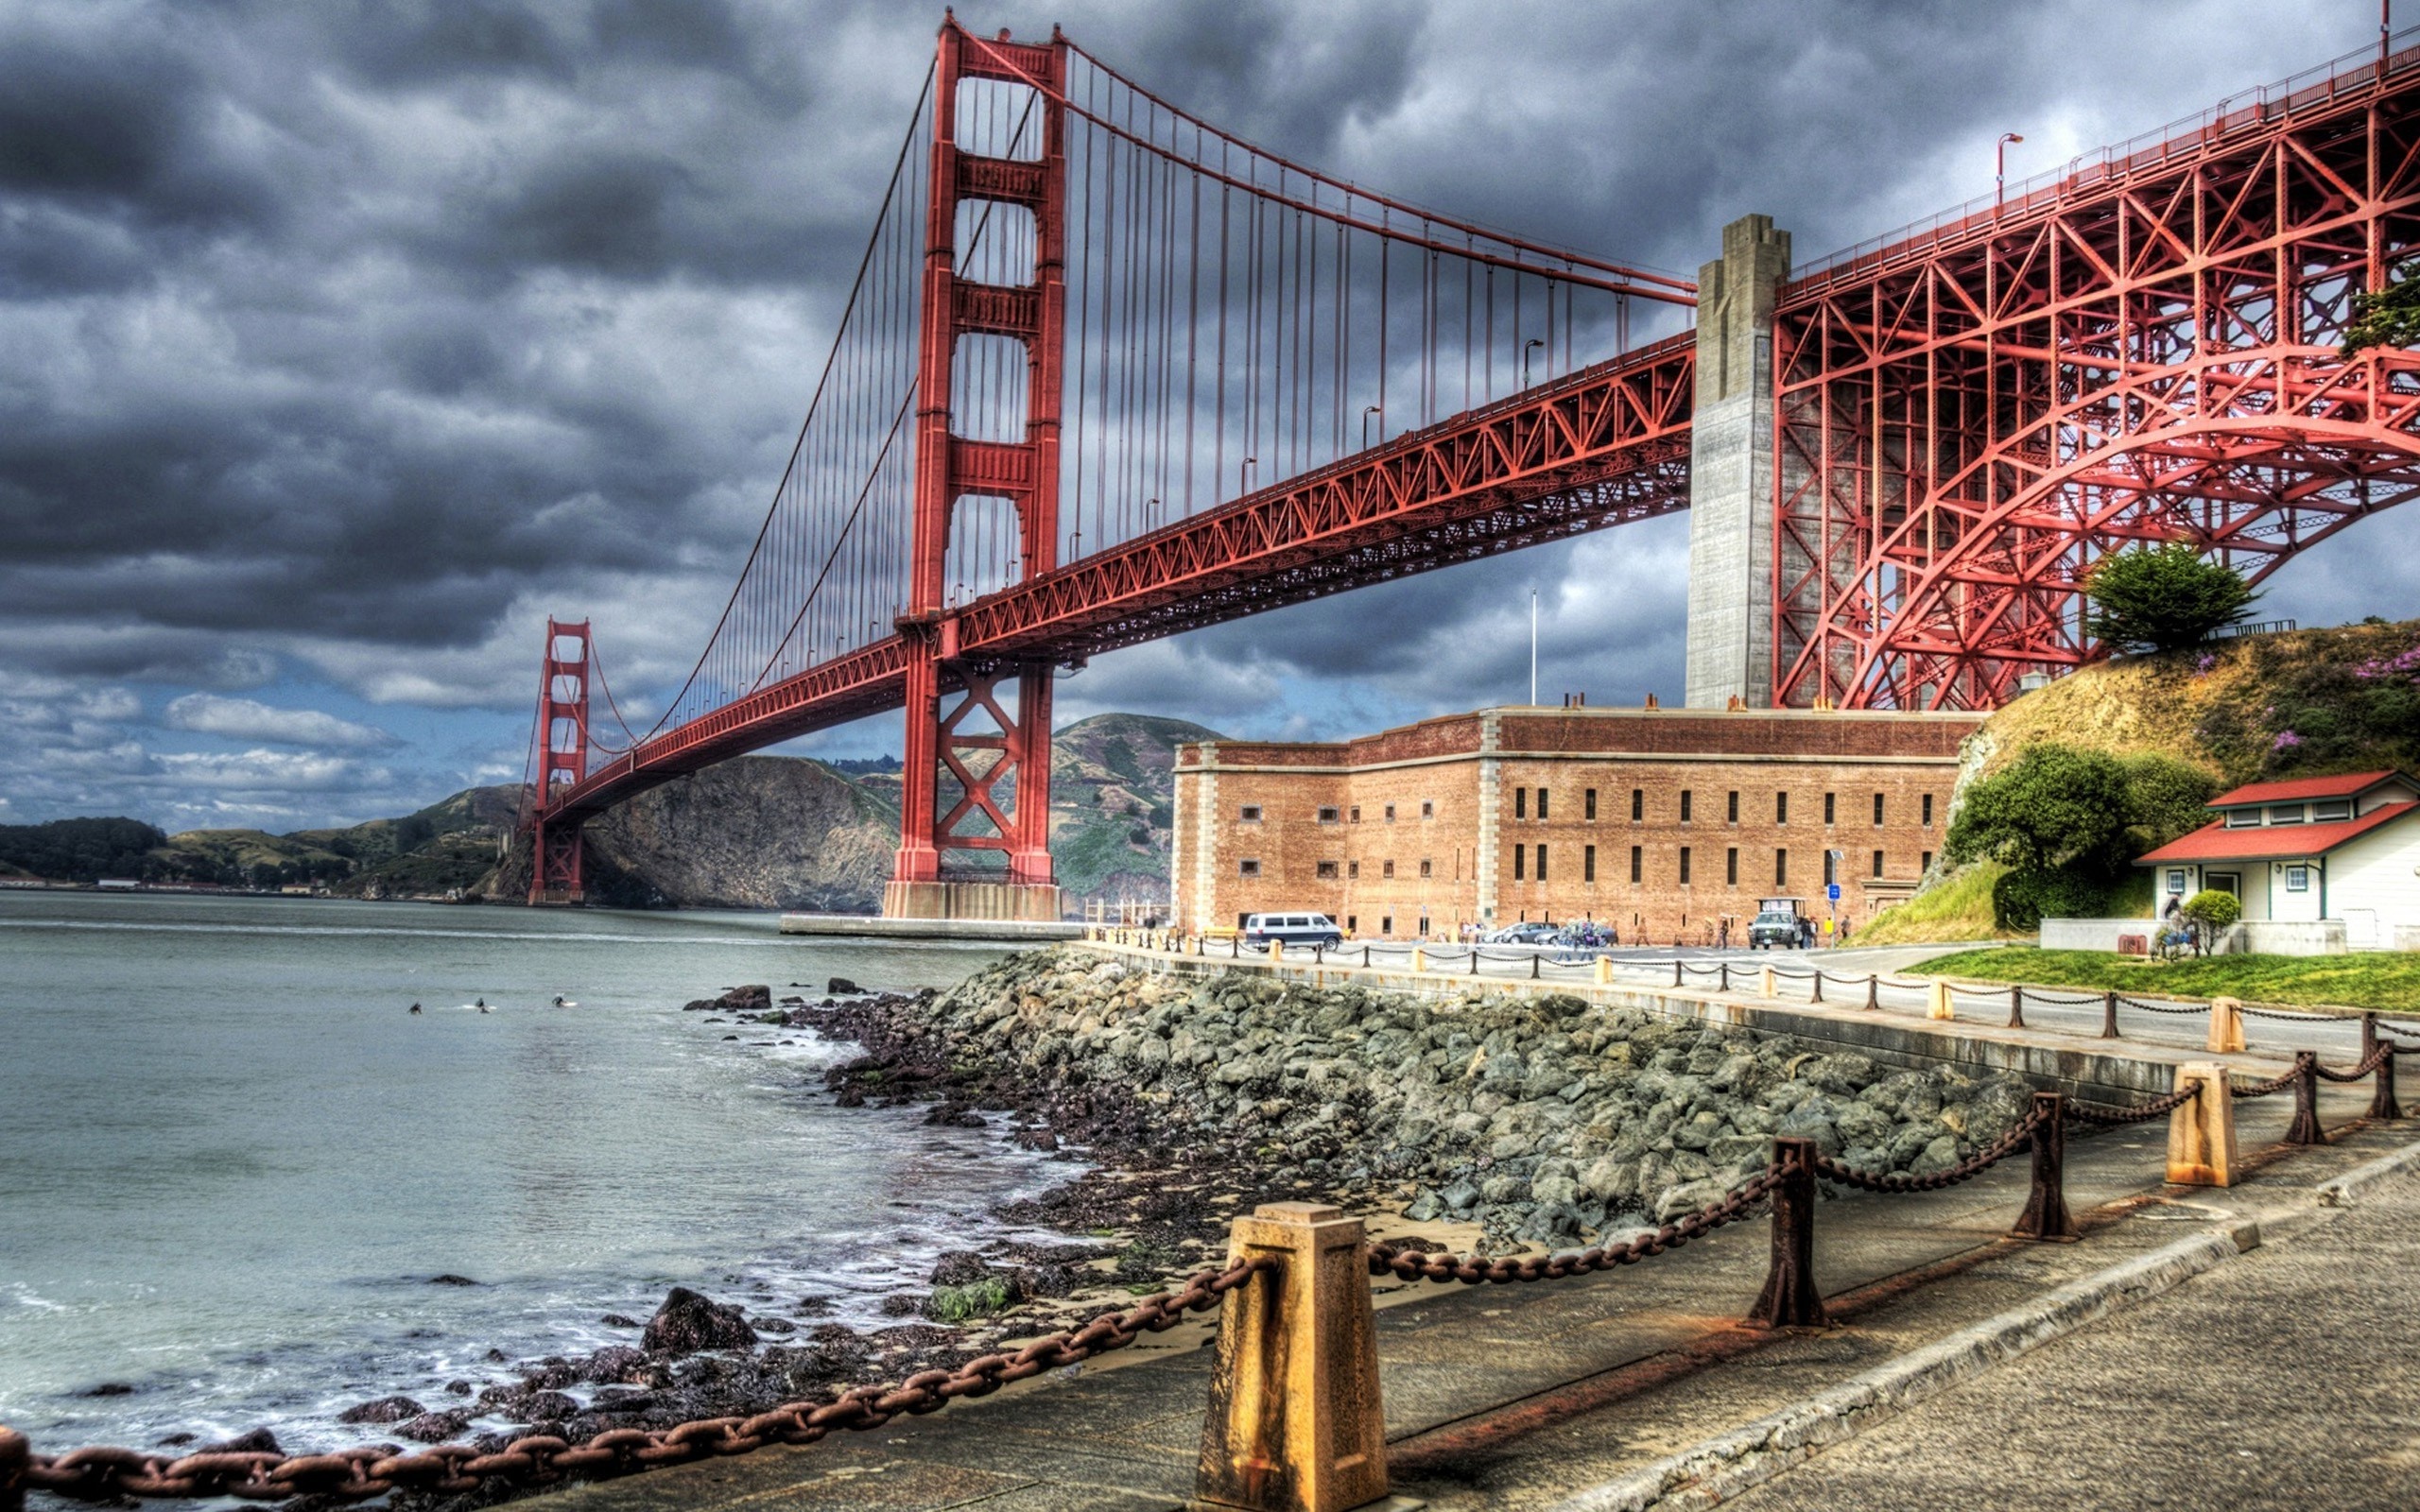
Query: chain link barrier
[(1417, 1266), (2263, 1089), (2110, 1115), (541, 1459), (1965, 1170), (2368, 1066), (2175, 1009), (2293, 1018)]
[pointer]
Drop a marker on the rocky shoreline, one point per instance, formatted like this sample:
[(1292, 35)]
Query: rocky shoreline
[(1524, 1121)]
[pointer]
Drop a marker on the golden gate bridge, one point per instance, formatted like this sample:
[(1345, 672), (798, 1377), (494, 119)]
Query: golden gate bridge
[(1108, 373)]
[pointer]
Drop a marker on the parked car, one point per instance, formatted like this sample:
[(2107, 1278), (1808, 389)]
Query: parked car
[(1777, 925), (1293, 929), (1529, 931)]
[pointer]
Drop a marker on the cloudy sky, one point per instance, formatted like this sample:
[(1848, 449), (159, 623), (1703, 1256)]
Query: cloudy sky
[(342, 342)]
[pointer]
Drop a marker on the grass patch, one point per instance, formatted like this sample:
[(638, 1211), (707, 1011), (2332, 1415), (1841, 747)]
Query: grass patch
[(1960, 908), (956, 1304), (2388, 980)]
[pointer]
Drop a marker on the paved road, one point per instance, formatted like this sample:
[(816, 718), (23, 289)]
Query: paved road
[(2290, 1378), (2063, 1010)]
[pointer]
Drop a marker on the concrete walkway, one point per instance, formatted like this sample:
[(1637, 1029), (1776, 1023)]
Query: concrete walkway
[(1516, 1397)]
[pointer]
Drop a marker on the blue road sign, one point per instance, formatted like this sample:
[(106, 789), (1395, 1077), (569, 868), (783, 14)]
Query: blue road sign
[(1833, 892)]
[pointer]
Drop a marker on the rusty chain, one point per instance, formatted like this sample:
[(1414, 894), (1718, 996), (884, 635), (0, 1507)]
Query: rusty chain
[(542, 1459), (2289, 1017), (2263, 1089), (2369, 1064), (1965, 1170), (2410, 1031), (2110, 1115), (1415, 1266), (2179, 1008)]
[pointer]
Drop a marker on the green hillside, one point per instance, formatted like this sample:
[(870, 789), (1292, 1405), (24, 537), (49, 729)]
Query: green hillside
[(1113, 789)]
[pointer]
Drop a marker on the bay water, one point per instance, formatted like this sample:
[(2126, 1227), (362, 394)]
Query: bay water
[(232, 1161)]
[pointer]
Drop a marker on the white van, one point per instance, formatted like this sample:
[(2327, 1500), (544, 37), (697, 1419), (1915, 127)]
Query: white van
[(1294, 929)]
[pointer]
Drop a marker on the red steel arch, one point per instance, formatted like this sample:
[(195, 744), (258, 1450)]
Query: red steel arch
[(2144, 348)]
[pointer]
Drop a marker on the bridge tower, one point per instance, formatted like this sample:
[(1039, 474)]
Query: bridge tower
[(1730, 645), (563, 761), (990, 762)]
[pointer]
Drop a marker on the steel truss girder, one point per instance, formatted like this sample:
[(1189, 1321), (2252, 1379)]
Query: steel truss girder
[(1966, 426)]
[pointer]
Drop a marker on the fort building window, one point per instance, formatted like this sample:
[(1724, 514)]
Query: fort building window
[(1352, 923), (1926, 865), (1542, 803), (1354, 815), (1685, 866), (1831, 866), (1637, 863), (1386, 923), (1731, 809), (1353, 871), (1637, 804), (1520, 802), (1588, 863), (1686, 797), (1327, 814), (1588, 804), (1731, 868), (1248, 868), (1827, 807), (1781, 808), (1427, 809), (1542, 863), (1520, 862), (1927, 811), (1249, 814), (1877, 863), (1391, 814), (1781, 869), (1386, 868), (1327, 870), (1877, 808), (1426, 869)]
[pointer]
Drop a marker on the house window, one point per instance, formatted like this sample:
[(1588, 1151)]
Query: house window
[(2176, 879), (1327, 814), (1927, 805), (1781, 869), (2285, 813), (2298, 879), (1248, 868), (2341, 807), (1386, 868), (1588, 804), (1520, 802), (1731, 868), (1588, 863), (1542, 803), (1731, 808), (1391, 814), (1831, 867), (1520, 860), (2243, 819), (1877, 863), (1542, 863), (1249, 814), (1685, 866), (1427, 809), (1637, 804), (1327, 870), (1781, 808), (1638, 862), (1827, 807), (1877, 808), (1426, 870), (1353, 871), (1686, 796)]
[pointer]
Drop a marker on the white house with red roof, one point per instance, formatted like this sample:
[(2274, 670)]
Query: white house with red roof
[(2309, 850)]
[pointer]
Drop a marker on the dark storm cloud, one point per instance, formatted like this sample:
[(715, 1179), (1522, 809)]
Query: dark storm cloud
[(358, 336)]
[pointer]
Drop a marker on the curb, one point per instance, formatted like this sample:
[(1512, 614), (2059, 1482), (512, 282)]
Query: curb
[(2344, 1190), (1720, 1467)]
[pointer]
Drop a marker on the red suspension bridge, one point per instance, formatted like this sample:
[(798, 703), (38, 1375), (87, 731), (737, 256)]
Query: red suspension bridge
[(1109, 374)]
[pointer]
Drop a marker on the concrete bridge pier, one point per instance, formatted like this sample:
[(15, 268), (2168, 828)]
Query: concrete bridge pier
[(1731, 471)]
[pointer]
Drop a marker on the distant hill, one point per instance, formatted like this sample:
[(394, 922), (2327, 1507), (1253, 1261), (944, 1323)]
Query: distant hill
[(759, 832)]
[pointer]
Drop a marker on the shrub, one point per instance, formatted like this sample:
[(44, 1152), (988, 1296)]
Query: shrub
[(2021, 900), (2213, 910), (2165, 599), (2051, 807)]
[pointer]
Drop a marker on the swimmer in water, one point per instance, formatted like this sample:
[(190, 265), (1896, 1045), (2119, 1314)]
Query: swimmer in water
[(415, 1007), (481, 1004), (559, 1000)]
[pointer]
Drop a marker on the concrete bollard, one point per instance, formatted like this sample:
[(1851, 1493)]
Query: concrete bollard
[(1937, 1004), (1276, 951), (1764, 982), (2226, 1025), (2201, 1133), (1419, 959), (1604, 970), (1295, 1422)]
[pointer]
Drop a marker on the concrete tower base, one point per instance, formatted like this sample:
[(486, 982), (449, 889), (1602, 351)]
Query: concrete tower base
[(1036, 902)]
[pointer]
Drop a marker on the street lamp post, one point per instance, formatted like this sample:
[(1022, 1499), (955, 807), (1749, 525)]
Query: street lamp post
[(1243, 476), (1528, 347), (1999, 168), (1368, 411)]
